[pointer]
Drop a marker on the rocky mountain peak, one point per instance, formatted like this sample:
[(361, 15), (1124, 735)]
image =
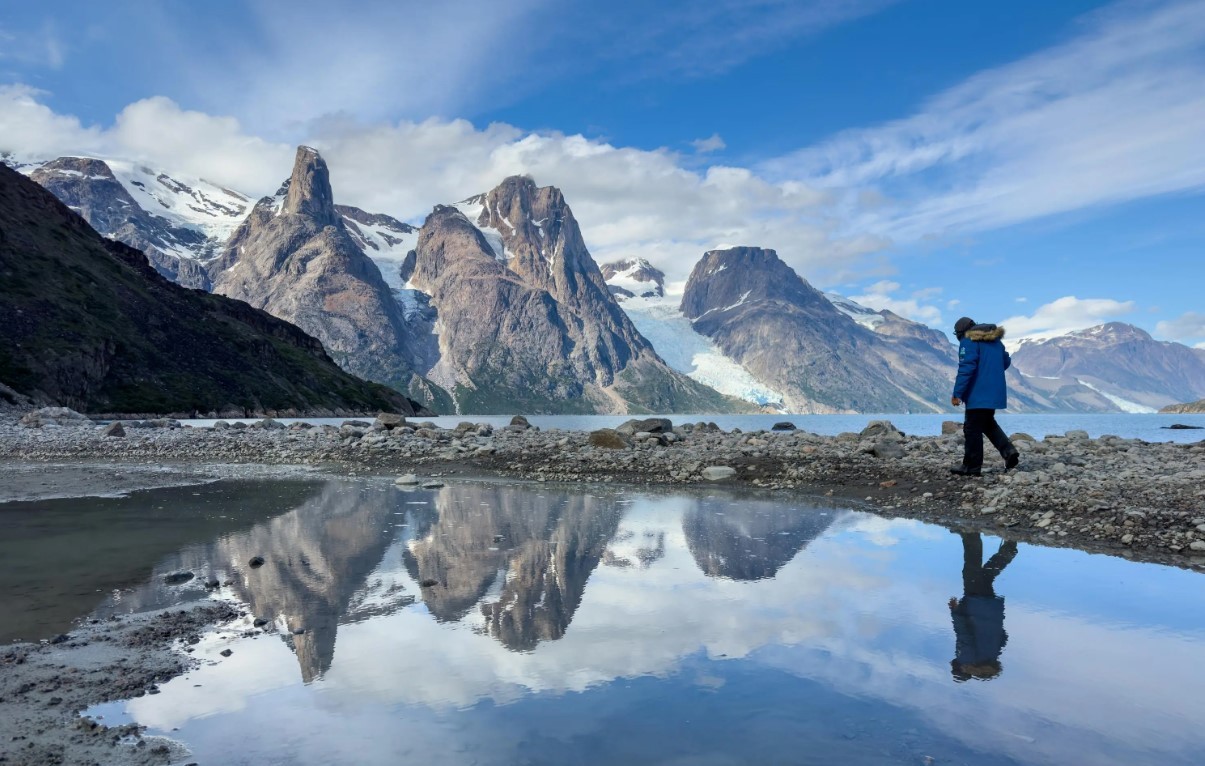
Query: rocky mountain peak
[(725, 279), (634, 277), (309, 189)]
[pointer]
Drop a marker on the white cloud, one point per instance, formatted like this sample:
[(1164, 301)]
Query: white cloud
[(1065, 315), (881, 295), (1115, 114), (42, 47), (707, 145), (1188, 326), (629, 202)]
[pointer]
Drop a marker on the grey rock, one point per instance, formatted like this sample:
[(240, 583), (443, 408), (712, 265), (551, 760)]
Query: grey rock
[(718, 472), (950, 427), (54, 416), (407, 479), (647, 425), (114, 429), (783, 426), (879, 428)]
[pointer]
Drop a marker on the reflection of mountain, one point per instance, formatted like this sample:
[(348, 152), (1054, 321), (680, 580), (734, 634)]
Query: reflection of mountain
[(535, 552), (751, 540), (315, 559)]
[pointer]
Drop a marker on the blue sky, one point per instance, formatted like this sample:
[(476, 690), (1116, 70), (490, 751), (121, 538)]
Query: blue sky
[(1031, 161)]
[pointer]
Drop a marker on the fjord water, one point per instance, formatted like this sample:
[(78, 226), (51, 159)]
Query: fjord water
[(570, 625)]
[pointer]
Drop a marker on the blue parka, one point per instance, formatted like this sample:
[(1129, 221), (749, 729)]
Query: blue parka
[(982, 360)]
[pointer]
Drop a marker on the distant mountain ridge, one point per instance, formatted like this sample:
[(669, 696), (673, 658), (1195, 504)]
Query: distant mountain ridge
[(90, 325), (1121, 362)]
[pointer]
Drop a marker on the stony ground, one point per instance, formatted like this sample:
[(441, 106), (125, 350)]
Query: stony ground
[(43, 688), (1125, 496)]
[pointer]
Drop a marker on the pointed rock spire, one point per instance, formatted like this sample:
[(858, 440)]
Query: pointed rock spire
[(310, 189)]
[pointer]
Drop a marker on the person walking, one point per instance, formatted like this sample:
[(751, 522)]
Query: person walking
[(980, 385)]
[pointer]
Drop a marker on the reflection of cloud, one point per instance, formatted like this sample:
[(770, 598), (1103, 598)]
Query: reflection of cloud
[(862, 614)]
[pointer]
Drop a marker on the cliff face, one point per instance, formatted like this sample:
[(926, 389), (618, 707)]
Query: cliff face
[(526, 322), (295, 258), (786, 333), (89, 324)]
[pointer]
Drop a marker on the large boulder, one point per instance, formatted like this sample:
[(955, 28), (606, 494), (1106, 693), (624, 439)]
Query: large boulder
[(950, 427), (608, 438), (114, 429), (54, 416), (877, 429), (390, 420), (647, 425)]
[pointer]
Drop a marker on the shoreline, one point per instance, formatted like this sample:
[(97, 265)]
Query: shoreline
[(1140, 500)]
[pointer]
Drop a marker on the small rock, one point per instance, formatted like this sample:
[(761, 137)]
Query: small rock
[(649, 425), (718, 472), (518, 421), (256, 562), (433, 484), (259, 622), (114, 429), (887, 449), (1197, 545), (178, 578), (406, 480), (226, 652), (950, 427), (390, 421), (786, 425)]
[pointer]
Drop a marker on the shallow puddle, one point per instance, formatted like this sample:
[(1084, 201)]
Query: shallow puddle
[(507, 624)]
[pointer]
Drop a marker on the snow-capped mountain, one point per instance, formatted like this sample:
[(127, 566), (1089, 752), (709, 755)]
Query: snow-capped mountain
[(636, 278), (181, 223), (384, 239), (1121, 362)]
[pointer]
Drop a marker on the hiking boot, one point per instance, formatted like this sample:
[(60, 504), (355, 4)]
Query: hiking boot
[(965, 470), (1011, 460)]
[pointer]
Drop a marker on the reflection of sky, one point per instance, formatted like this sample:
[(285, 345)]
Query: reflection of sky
[(844, 654)]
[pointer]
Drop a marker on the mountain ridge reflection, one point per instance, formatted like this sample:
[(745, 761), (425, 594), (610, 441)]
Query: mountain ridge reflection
[(519, 560)]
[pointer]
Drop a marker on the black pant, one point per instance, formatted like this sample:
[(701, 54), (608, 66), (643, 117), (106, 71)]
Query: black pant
[(978, 424)]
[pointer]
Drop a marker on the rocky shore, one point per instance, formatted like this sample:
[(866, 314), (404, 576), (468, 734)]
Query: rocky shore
[(1123, 496)]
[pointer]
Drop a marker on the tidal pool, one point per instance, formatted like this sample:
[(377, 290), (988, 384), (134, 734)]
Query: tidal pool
[(487, 623)]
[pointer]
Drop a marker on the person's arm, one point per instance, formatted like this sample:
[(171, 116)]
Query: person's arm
[(968, 362), (1008, 360)]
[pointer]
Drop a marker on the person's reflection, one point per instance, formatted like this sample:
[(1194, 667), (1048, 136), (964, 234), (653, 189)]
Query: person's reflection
[(978, 616)]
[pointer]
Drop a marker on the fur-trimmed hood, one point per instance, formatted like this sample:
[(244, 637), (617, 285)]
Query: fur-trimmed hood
[(985, 333)]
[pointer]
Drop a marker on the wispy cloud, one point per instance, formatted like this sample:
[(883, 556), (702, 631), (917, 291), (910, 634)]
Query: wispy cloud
[(1115, 114), (40, 47), (884, 294), (1187, 327), (713, 143)]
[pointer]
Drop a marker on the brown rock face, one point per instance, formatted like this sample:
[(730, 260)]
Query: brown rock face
[(294, 258), (786, 333), (527, 323)]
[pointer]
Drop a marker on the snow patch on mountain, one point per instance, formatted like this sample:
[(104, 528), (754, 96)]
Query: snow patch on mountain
[(867, 317), (662, 323), (1125, 405), (472, 208), (385, 245), (194, 203)]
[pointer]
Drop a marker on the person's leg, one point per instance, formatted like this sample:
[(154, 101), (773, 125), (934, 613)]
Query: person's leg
[(995, 434), (972, 430)]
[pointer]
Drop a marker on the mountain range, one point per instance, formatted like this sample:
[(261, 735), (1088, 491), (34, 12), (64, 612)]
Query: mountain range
[(495, 305), (90, 325)]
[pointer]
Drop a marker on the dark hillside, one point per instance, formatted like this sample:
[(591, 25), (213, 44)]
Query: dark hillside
[(85, 322)]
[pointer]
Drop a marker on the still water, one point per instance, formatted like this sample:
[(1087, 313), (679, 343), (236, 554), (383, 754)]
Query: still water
[(510, 624)]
